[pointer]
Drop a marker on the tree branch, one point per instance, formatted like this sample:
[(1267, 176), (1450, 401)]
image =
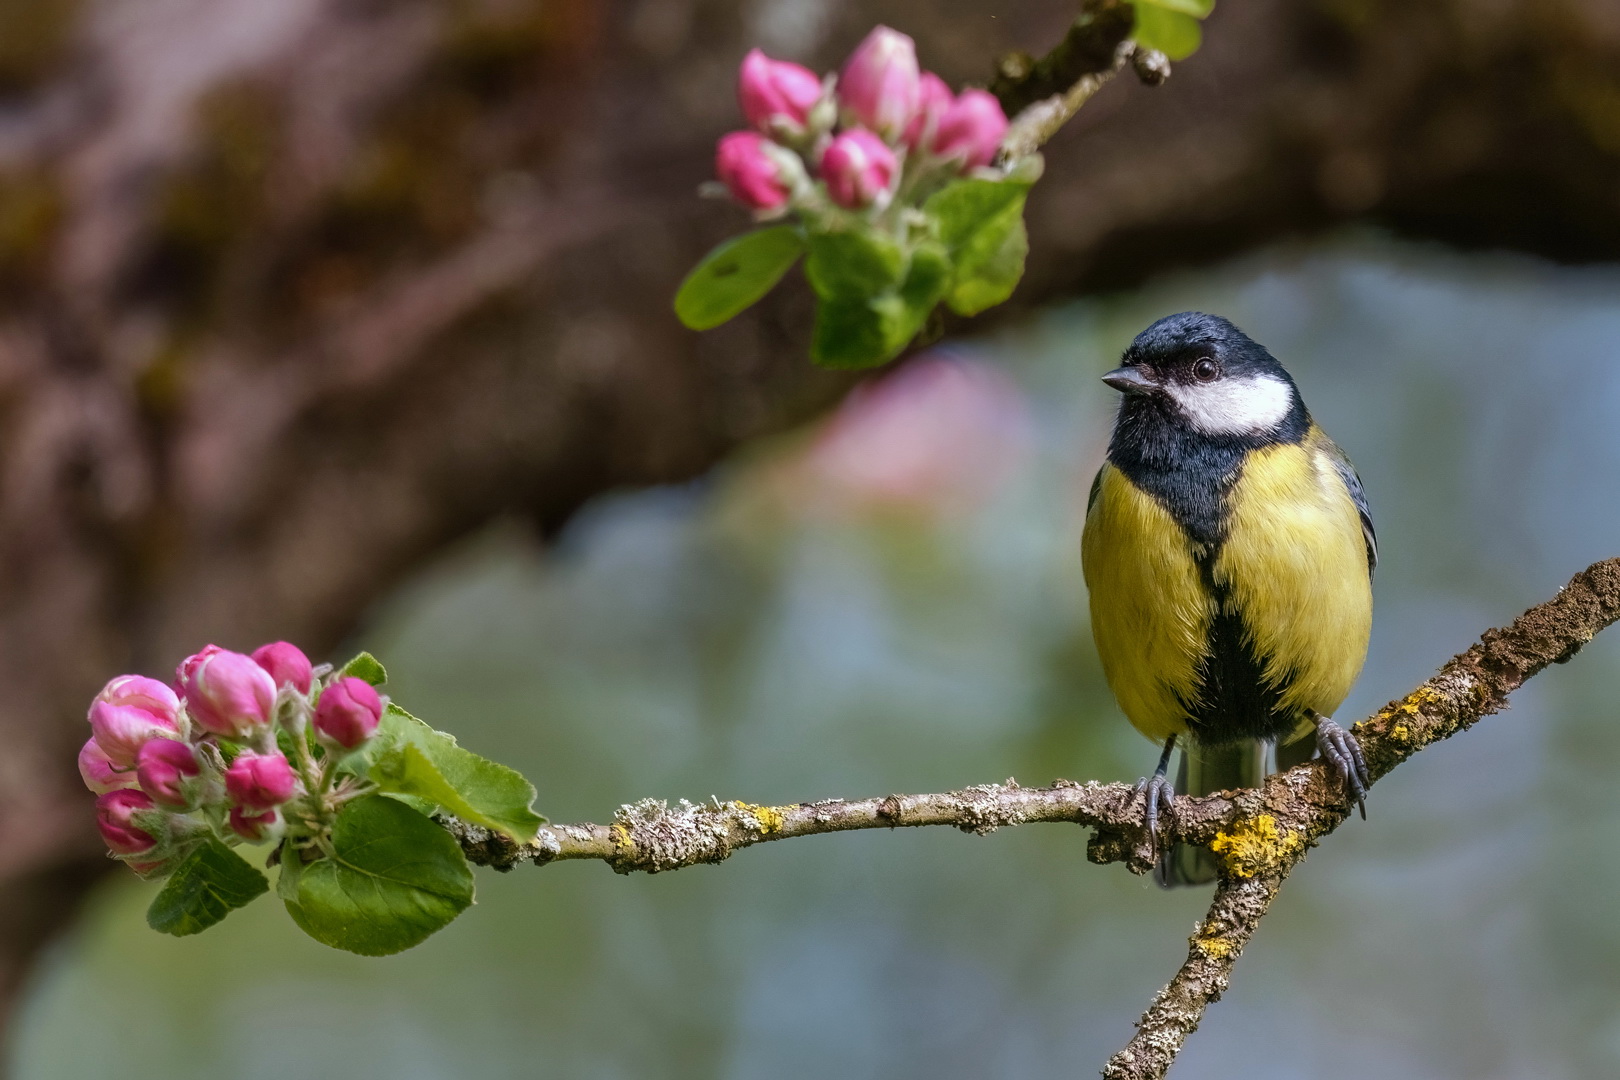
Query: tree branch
[(1259, 834), (1042, 95)]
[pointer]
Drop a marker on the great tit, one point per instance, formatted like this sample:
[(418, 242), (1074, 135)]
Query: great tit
[(1229, 553)]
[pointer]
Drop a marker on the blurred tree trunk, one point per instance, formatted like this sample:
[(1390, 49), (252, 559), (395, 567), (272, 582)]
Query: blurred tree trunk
[(294, 294)]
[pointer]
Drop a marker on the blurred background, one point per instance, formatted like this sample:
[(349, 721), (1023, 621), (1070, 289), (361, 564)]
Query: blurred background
[(347, 322)]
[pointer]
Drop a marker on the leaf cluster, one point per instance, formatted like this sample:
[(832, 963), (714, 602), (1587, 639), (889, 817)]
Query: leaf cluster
[(875, 292), (384, 876)]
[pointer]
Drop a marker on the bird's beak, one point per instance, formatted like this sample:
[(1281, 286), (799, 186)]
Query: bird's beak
[(1130, 380)]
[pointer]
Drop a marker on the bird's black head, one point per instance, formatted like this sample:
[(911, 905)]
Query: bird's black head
[(1200, 374)]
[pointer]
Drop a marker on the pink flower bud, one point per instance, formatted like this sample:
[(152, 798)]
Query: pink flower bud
[(743, 162), (286, 664), (99, 772), (255, 828), (347, 713), (933, 98), (260, 781), (772, 92), (164, 766), (142, 693), (858, 168), (972, 128), (227, 693), (879, 84), (121, 730), (115, 817)]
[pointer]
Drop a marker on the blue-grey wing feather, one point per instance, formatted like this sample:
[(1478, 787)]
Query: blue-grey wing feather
[(1352, 483)]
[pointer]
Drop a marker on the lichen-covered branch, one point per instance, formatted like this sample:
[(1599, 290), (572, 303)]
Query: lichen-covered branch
[(1259, 834), (1042, 95)]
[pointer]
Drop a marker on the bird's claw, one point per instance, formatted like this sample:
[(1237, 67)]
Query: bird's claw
[(1157, 791), (1343, 754)]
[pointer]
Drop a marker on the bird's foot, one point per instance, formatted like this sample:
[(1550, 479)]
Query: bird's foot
[(1159, 794), (1343, 754)]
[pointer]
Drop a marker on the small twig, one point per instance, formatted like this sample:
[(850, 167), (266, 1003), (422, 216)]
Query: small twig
[(1042, 95), (1258, 834)]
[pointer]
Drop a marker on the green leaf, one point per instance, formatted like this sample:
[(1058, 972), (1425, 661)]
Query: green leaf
[(858, 264), (1199, 9), (927, 280), (991, 269), (394, 878), (1174, 33), (734, 276), (850, 332), (964, 208), (208, 885), (860, 332), (366, 667), (981, 222), (409, 758)]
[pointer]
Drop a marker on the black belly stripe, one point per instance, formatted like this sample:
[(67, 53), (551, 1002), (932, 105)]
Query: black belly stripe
[(1235, 700), (1190, 475)]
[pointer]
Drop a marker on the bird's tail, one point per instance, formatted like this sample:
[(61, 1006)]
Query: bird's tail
[(1205, 770)]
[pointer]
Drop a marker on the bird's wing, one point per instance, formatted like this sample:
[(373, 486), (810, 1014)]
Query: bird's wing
[(1352, 483), (1096, 485)]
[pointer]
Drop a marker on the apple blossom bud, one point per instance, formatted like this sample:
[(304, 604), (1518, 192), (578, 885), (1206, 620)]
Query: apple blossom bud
[(255, 828), (115, 817), (99, 773), (744, 163), (260, 781), (227, 693), (776, 93), (164, 766), (878, 87), (347, 713), (858, 168), (121, 730), (286, 664), (971, 128), (933, 98), (142, 693)]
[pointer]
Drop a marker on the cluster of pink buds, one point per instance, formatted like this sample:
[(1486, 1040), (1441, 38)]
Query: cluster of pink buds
[(881, 133), (225, 752)]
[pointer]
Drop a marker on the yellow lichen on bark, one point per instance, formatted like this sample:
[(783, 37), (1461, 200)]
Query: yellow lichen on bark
[(768, 818), (1256, 844)]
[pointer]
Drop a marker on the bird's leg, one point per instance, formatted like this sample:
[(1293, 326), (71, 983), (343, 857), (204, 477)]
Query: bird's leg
[(1343, 754), (1158, 791)]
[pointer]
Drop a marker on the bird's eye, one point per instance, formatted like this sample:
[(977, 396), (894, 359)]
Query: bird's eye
[(1206, 370)]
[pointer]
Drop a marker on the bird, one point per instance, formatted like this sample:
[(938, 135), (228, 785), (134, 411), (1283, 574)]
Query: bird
[(1228, 552)]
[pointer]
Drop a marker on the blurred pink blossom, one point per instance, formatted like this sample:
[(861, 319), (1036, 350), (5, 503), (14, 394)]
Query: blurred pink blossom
[(859, 169), (933, 98), (879, 86), (971, 128), (937, 436), (772, 92), (744, 162)]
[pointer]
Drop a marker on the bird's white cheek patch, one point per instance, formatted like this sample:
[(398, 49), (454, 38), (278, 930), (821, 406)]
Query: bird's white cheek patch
[(1234, 406)]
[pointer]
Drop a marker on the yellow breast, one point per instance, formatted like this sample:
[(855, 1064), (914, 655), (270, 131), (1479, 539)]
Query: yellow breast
[(1150, 614), (1295, 565)]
